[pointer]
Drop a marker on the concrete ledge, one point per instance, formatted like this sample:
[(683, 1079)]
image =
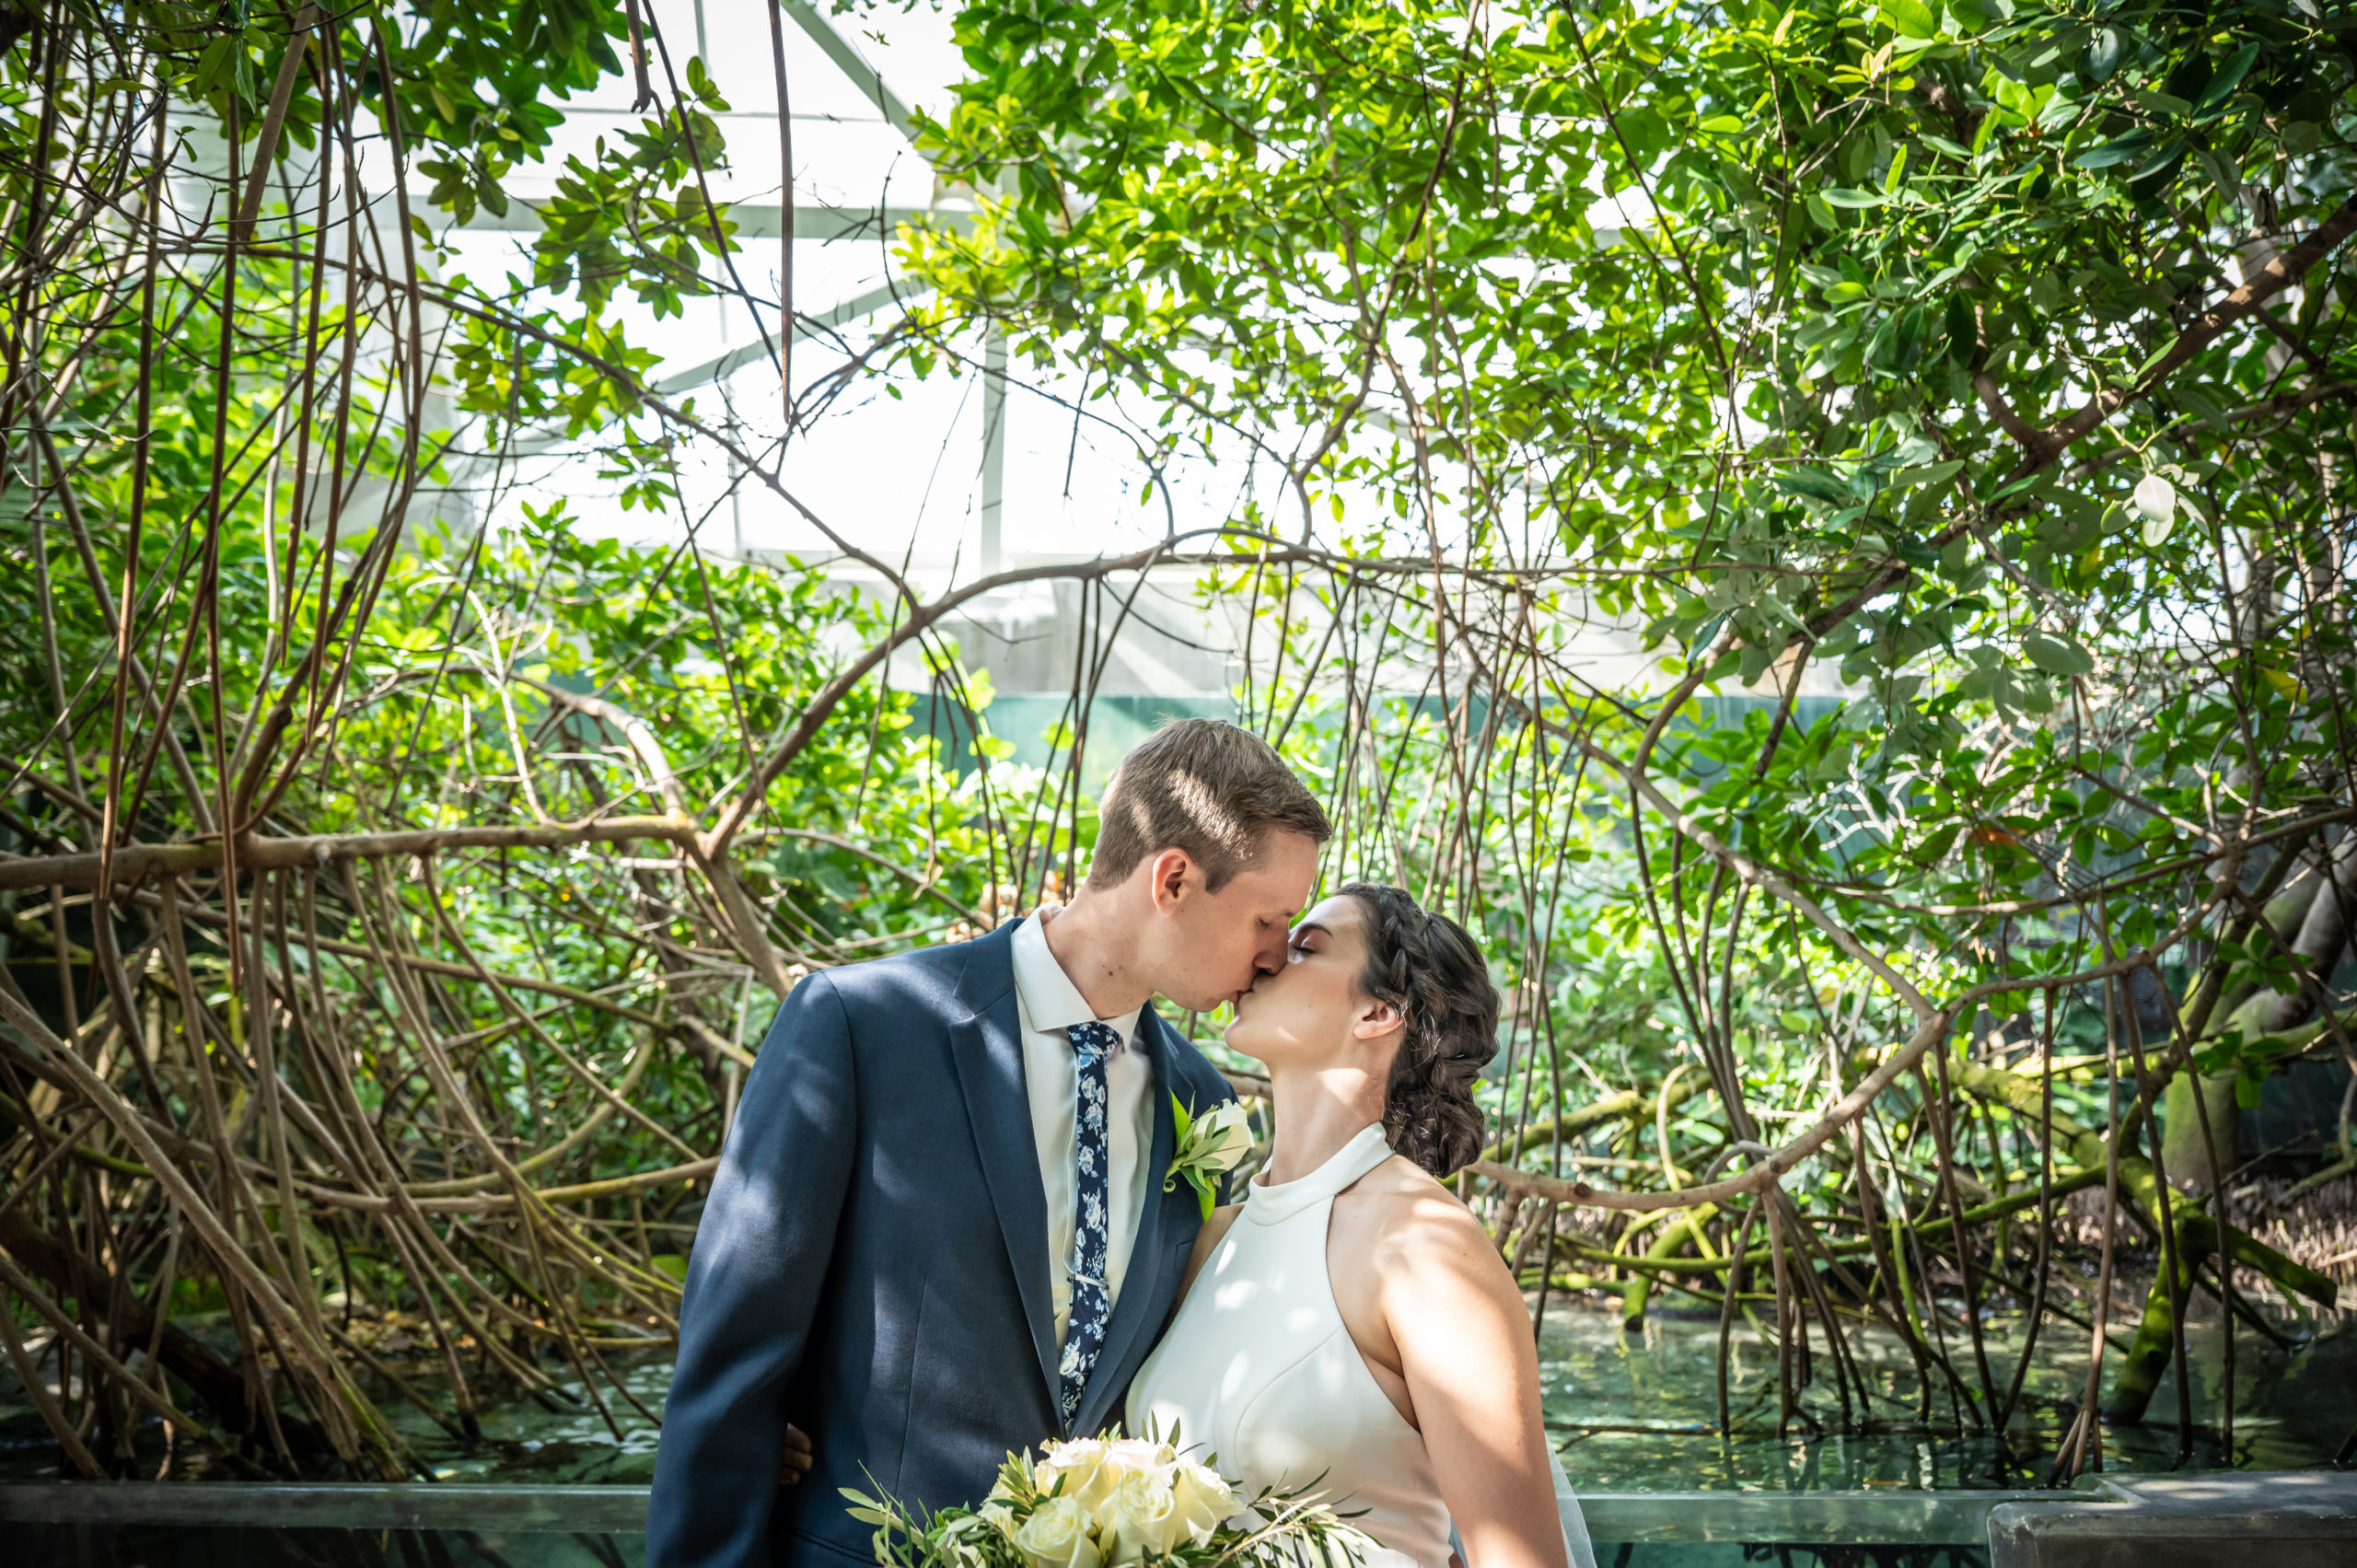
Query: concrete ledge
[(2290, 1520), (2300, 1519)]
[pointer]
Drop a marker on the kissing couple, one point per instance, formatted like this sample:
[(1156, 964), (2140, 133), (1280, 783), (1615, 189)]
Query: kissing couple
[(949, 1221)]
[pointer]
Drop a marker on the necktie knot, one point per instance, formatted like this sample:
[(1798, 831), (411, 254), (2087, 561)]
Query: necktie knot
[(1093, 1041)]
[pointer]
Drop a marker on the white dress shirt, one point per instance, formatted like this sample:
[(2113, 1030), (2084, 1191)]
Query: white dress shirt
[(1048, 1004)]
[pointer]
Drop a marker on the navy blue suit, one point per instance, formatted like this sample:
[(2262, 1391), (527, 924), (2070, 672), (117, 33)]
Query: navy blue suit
[(873, 1265)]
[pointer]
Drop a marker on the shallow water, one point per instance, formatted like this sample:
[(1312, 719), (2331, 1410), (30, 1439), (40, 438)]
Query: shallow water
[(1630, 1412), (1639, 1412)]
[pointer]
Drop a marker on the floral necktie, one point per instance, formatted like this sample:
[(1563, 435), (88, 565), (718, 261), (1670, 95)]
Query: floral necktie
[(1092, 1304)]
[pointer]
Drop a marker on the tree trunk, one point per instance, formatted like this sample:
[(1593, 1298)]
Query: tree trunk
[(2313, 917), (220, 1385)]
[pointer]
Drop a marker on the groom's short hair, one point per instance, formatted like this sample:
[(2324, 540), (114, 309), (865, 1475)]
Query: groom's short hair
[(1205, 786)]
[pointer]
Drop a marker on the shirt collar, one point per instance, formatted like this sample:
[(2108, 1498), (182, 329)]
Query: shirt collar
[(1051, 1001)]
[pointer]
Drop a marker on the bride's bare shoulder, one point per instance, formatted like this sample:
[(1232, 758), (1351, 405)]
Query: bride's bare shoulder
[(1404, 1211)]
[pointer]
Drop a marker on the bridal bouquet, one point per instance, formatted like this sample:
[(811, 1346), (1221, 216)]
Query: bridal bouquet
[(1087, 1503)]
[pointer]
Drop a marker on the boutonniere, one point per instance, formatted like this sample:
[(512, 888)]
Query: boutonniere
[(1207, 1148)]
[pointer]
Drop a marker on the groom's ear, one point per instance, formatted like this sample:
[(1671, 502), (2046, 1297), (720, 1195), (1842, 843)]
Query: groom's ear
[(1168, 869)]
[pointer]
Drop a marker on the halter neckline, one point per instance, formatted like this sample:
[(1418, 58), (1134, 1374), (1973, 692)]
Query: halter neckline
[(1268, 1204)]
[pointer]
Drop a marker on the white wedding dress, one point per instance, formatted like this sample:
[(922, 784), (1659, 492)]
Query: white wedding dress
[(1258, 1376)]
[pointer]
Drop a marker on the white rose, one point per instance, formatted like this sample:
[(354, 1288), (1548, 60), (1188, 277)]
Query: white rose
[(1130, 1456), (1140, 1517), (1227, 1135), (1087, 1467), (998, 1515), (1056, 1536), (1201, 1499)]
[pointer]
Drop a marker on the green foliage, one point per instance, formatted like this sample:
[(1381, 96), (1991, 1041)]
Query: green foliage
[(640, 216), (234, 436), (1901, 344), (1953, 401)]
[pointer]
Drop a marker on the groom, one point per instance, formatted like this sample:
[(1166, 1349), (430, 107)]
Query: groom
[(938, 1233)]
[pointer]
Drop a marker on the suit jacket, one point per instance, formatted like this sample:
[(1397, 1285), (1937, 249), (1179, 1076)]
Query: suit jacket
[(873, 1265)]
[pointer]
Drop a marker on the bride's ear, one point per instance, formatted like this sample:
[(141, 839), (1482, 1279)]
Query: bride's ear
[(1378, 1022)]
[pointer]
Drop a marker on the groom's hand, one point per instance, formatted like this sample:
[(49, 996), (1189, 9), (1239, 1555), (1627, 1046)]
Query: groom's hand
[(796, 1464)]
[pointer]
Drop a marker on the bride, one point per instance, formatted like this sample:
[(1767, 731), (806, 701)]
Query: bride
[(1350, 1318)]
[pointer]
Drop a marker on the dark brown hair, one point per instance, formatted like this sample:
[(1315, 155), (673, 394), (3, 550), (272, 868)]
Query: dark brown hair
[(1429, 968), (1207, 788)]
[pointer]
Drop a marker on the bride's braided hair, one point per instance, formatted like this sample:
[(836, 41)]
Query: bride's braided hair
[(1428, 967)]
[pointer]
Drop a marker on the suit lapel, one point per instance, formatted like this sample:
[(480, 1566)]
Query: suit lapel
[(988, 1049), (1167, 1226)]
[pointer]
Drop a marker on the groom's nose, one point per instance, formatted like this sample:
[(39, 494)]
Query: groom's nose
[(1270, 956)]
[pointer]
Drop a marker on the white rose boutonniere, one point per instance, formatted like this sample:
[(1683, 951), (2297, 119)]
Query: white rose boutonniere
[(1207, 1148)]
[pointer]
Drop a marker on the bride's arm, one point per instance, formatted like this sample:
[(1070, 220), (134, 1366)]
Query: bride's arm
[(1463, 1337)]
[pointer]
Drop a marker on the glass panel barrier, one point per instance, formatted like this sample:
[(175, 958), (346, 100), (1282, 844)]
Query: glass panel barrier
[(144, 1524)]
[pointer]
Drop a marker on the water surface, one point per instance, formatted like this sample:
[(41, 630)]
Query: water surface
[(1639, 1411), (1630, 1412)]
